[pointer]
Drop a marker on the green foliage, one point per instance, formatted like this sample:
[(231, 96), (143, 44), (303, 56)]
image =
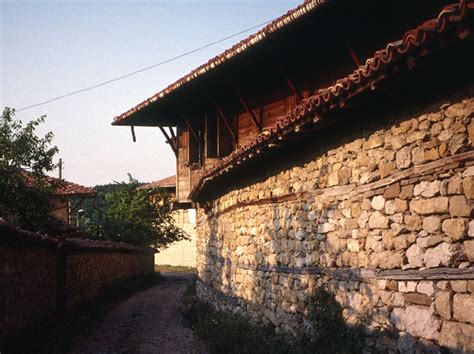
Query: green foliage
[(232, 333), (25, 190), (329, 333), (229, 333), (141, 217)]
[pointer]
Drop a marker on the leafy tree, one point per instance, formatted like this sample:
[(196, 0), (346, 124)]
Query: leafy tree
[(25, 190), (142, 217)]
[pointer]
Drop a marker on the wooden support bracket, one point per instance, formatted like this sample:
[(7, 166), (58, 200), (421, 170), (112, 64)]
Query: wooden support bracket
[(193, 133), (292, 87), (226, 121), (353, 54), (256, 122), (134, 138), (170, 141)]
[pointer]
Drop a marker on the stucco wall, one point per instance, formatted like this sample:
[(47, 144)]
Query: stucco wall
[(181, 253), (381, 212)]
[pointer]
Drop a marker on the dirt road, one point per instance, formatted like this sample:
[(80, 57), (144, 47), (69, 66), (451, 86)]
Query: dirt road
[(148, 322)]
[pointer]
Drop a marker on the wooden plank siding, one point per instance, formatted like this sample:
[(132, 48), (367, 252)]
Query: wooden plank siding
[(222, 144)]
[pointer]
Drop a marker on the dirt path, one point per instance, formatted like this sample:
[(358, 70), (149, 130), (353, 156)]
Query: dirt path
[(148, 322)]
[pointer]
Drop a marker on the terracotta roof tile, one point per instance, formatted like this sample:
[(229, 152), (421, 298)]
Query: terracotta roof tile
[(362, 79), (168, 182)]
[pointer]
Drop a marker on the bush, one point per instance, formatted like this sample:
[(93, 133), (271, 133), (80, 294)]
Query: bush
[(228, 333), (328, 332), (232, 333)]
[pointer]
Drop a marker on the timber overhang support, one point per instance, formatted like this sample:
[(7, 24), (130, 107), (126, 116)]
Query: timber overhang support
[(258, 123), (171, 140)]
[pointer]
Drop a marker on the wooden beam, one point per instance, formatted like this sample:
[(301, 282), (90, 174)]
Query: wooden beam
[(169, 141), (255, 121), (353, 54), (227, 124), (292, 87), (134, 138), (193, 133)]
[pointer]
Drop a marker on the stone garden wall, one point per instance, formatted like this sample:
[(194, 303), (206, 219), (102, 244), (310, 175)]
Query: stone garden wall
[(383, 219), (41, 275)]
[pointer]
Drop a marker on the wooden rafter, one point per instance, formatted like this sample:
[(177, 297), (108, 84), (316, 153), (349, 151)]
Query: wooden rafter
[(171, 142), (226, 121), (256, 122)]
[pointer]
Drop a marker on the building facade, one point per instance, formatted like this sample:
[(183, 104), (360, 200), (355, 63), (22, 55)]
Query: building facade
[(181, 253), (335, 147)]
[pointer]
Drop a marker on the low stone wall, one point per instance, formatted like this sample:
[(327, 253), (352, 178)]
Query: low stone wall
[(40, 276), (383, 220)]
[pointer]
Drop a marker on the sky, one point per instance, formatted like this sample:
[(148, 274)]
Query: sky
[(51, 48)]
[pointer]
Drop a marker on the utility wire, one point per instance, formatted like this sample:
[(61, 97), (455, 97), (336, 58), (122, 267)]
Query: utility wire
[(143, 69)]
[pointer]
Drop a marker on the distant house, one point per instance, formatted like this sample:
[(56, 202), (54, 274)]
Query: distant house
[(68, 199), (335, 147), (181, 253)]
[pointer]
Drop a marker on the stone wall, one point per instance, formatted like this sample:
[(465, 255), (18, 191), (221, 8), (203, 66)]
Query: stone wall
[(381, 214), (181, 253), (41, 276)]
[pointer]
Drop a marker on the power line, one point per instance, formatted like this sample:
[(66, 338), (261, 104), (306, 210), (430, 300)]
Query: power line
[(143, 69)]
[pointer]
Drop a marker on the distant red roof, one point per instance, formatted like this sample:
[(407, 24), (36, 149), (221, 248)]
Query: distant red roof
[(168, 182), (70, 189), (66, 189)]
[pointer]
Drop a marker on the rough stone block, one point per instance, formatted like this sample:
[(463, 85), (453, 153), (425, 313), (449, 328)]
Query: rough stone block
[(392, 191), (468, 247), (443, 304), (463, 307), (455, 228), (436, 205), (431, 223), (457, 336), (459, 206), (417, 299), (378, 221), (468, 187), (443, 254), (427, 189)]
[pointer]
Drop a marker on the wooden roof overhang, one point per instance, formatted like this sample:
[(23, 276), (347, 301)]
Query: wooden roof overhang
[(302, 42), (327, 42)]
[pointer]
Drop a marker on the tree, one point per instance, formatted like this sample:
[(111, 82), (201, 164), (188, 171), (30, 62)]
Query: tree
[(25, 190), (142, 217)]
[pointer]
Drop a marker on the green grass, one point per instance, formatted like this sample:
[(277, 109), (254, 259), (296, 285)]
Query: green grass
[(176, 269)]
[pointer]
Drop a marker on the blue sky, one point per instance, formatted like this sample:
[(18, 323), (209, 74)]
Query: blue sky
[(52, 48)]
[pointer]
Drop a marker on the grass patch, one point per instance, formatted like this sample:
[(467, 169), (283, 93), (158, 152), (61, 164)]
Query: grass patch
[(232, 333), (56, 335), (175, 269)]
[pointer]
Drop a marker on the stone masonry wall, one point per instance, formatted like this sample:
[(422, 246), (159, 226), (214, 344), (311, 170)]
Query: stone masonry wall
[(41, 275), (384, 220)]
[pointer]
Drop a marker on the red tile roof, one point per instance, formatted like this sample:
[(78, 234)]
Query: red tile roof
[(70, 189), (168, 182), (362, 79), (253, 40)]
